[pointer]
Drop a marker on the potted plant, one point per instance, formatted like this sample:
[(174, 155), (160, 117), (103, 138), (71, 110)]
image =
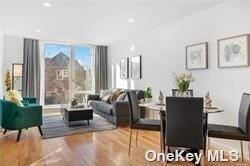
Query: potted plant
[(182, 83), (148, 95)]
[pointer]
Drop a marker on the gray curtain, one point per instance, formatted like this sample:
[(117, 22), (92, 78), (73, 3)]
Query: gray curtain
[(101, 68), (31, 69)]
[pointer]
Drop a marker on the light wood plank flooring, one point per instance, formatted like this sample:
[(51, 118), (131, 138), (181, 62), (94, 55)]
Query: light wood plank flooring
[(105, 148)]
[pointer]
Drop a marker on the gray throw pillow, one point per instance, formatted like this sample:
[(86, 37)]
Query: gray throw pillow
[(104, 93)]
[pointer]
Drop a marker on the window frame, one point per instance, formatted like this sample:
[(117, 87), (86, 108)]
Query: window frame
[(71, 71)]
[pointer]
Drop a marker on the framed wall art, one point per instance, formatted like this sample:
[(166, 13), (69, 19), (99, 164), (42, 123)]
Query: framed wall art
[(233, 51), (136, 67), (197, 56), (124, 68)]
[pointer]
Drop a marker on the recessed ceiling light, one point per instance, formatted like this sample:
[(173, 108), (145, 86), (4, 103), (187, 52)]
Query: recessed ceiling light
[(46, 4), (38, 30), (98, 38), (131, 20)]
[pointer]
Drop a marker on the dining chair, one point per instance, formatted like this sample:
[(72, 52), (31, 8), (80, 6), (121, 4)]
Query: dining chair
[(184, 123), (175, 91), (240, 132), (136, 122)]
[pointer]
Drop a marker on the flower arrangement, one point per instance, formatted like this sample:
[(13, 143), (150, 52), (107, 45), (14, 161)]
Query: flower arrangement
[(182, 81), (8, 81)]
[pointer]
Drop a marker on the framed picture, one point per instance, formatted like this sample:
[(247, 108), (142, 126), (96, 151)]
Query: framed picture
[(197, 56), (124, 68), (233, 51), (136, 67)]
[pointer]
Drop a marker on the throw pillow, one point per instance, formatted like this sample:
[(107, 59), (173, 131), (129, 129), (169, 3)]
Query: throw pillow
[(121, 97), (15, 97), (15, 100), (17, 94), (104, 93), (106, 98), (7, 96), (11, 93), (115, 95)]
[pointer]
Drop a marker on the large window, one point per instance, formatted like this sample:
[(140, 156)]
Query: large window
[(83, 68), (68, 72)]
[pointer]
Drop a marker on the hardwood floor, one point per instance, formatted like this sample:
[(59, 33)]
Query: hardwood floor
[(105, 148)]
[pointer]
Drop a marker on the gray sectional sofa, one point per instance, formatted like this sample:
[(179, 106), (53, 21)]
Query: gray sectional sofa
[(116, 113)]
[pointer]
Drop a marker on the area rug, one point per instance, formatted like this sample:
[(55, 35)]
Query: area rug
[(54, 126)]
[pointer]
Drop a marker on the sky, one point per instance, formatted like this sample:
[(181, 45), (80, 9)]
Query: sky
[(82, 53)]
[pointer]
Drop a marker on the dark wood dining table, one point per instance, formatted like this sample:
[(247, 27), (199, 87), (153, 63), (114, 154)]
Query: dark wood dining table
[(161, 108)]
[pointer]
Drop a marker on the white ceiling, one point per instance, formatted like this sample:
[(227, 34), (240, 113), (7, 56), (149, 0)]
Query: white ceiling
[(83, 21)]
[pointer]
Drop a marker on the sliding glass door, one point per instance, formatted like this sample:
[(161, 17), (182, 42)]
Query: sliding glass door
[(68, 72), (82, 71), (57, 67)]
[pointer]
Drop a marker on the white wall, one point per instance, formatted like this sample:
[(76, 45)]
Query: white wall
[(13, 52), (163, 51), (1, 50)]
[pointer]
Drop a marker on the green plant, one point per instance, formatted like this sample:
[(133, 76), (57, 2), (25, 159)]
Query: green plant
[(148, 93)]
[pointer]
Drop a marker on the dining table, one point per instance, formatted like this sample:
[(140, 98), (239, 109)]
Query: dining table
[(161, 108)]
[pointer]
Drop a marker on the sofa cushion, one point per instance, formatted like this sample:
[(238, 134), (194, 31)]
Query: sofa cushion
[(121, 97), (106, 98), (105, 108), (94, 103), (115, 95), (104, 92)]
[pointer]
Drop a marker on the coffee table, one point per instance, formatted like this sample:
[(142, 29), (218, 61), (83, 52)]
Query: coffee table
[(76, 114)]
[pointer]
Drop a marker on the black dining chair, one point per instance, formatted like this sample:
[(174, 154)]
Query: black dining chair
[(184, 123), (241, 132), (175, 92), (136, 122)]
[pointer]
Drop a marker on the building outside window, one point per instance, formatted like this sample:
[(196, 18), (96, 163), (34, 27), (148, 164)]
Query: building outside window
[(69, 72)]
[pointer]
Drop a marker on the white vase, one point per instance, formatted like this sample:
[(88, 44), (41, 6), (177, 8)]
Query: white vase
[(148, 100), (182, 94)]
